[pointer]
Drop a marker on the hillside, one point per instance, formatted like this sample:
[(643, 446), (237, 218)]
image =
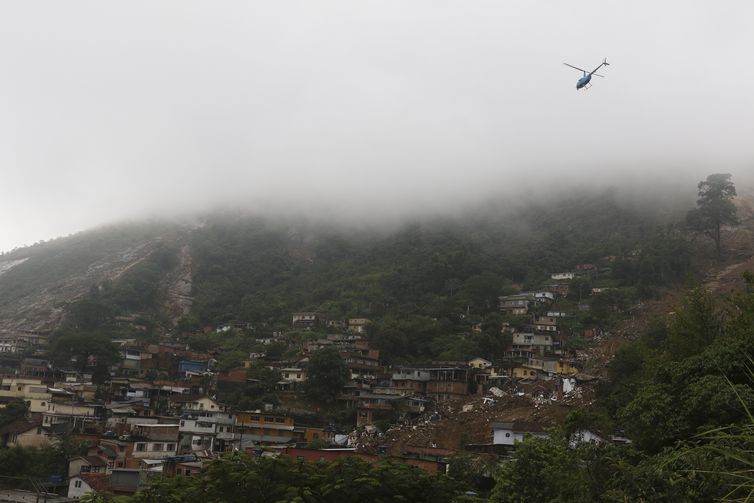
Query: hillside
[(470, 421), (257, 271), (38, 283), (622, 344)]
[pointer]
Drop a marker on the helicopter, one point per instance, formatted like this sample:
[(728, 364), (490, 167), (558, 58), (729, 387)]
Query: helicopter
[(584, 81)]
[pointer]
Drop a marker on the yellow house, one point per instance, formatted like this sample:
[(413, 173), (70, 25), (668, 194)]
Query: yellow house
[(310, 434), (31, 391), (522, 372), (565, 367), (265, 427)]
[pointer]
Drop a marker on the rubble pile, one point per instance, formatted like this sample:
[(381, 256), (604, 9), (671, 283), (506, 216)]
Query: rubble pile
[(454, 425)]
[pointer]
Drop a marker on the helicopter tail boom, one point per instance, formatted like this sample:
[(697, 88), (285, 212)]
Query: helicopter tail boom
[(604, 63)]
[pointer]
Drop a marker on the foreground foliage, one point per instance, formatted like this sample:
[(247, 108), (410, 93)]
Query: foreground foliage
[(239, 478)]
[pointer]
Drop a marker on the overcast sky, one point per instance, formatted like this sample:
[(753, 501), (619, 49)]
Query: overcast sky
[(111, 110)]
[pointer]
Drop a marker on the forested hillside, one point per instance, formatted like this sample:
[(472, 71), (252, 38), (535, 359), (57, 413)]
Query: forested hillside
[(420, 283), (255, 270)]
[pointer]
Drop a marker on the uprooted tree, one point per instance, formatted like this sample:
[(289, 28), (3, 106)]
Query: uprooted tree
[(715, 208)]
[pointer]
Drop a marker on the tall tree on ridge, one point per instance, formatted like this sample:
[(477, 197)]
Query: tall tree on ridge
[(715, 208)]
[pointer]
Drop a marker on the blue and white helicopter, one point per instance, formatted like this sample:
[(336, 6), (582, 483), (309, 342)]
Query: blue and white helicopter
[(584, 81)]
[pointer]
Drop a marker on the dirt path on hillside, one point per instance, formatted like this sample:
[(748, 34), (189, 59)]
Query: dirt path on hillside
[(177, 286)]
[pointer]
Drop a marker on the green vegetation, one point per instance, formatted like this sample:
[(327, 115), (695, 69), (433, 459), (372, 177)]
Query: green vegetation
[(80, 350), (237, 477), (13, 411), (423, 284), (19, 464), (326, 375)]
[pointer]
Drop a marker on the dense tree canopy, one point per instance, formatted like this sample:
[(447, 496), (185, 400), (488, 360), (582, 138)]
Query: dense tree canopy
[(81, 350), (326, 375), (239, 478)]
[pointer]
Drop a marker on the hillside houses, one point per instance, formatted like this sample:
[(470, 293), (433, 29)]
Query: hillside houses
[(516, 305), (167, 408)]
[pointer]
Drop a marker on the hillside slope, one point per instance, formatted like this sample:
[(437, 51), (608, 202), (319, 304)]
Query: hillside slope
[(258, 270), (38, 282)]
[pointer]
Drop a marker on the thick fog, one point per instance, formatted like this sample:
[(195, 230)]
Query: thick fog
[(369, 109)]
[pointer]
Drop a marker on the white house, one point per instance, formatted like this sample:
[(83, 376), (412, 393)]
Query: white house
[(87, 482), (562, 275), (548, 297), (510, 433), (293, 374), (540, 342)]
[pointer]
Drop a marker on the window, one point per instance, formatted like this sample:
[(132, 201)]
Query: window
[(507, 435), (157, 447), (77, 483), (279, 420), (141, 447), (170, 447), (269, 419), (183, 423)]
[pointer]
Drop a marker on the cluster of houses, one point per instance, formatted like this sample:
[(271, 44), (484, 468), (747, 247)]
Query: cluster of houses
[(164, 408)]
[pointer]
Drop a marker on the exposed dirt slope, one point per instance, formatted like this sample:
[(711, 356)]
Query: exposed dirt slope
[(176, 287)]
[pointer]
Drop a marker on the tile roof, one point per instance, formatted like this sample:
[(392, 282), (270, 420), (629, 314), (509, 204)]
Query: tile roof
[(99, 482), (20, 426)]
